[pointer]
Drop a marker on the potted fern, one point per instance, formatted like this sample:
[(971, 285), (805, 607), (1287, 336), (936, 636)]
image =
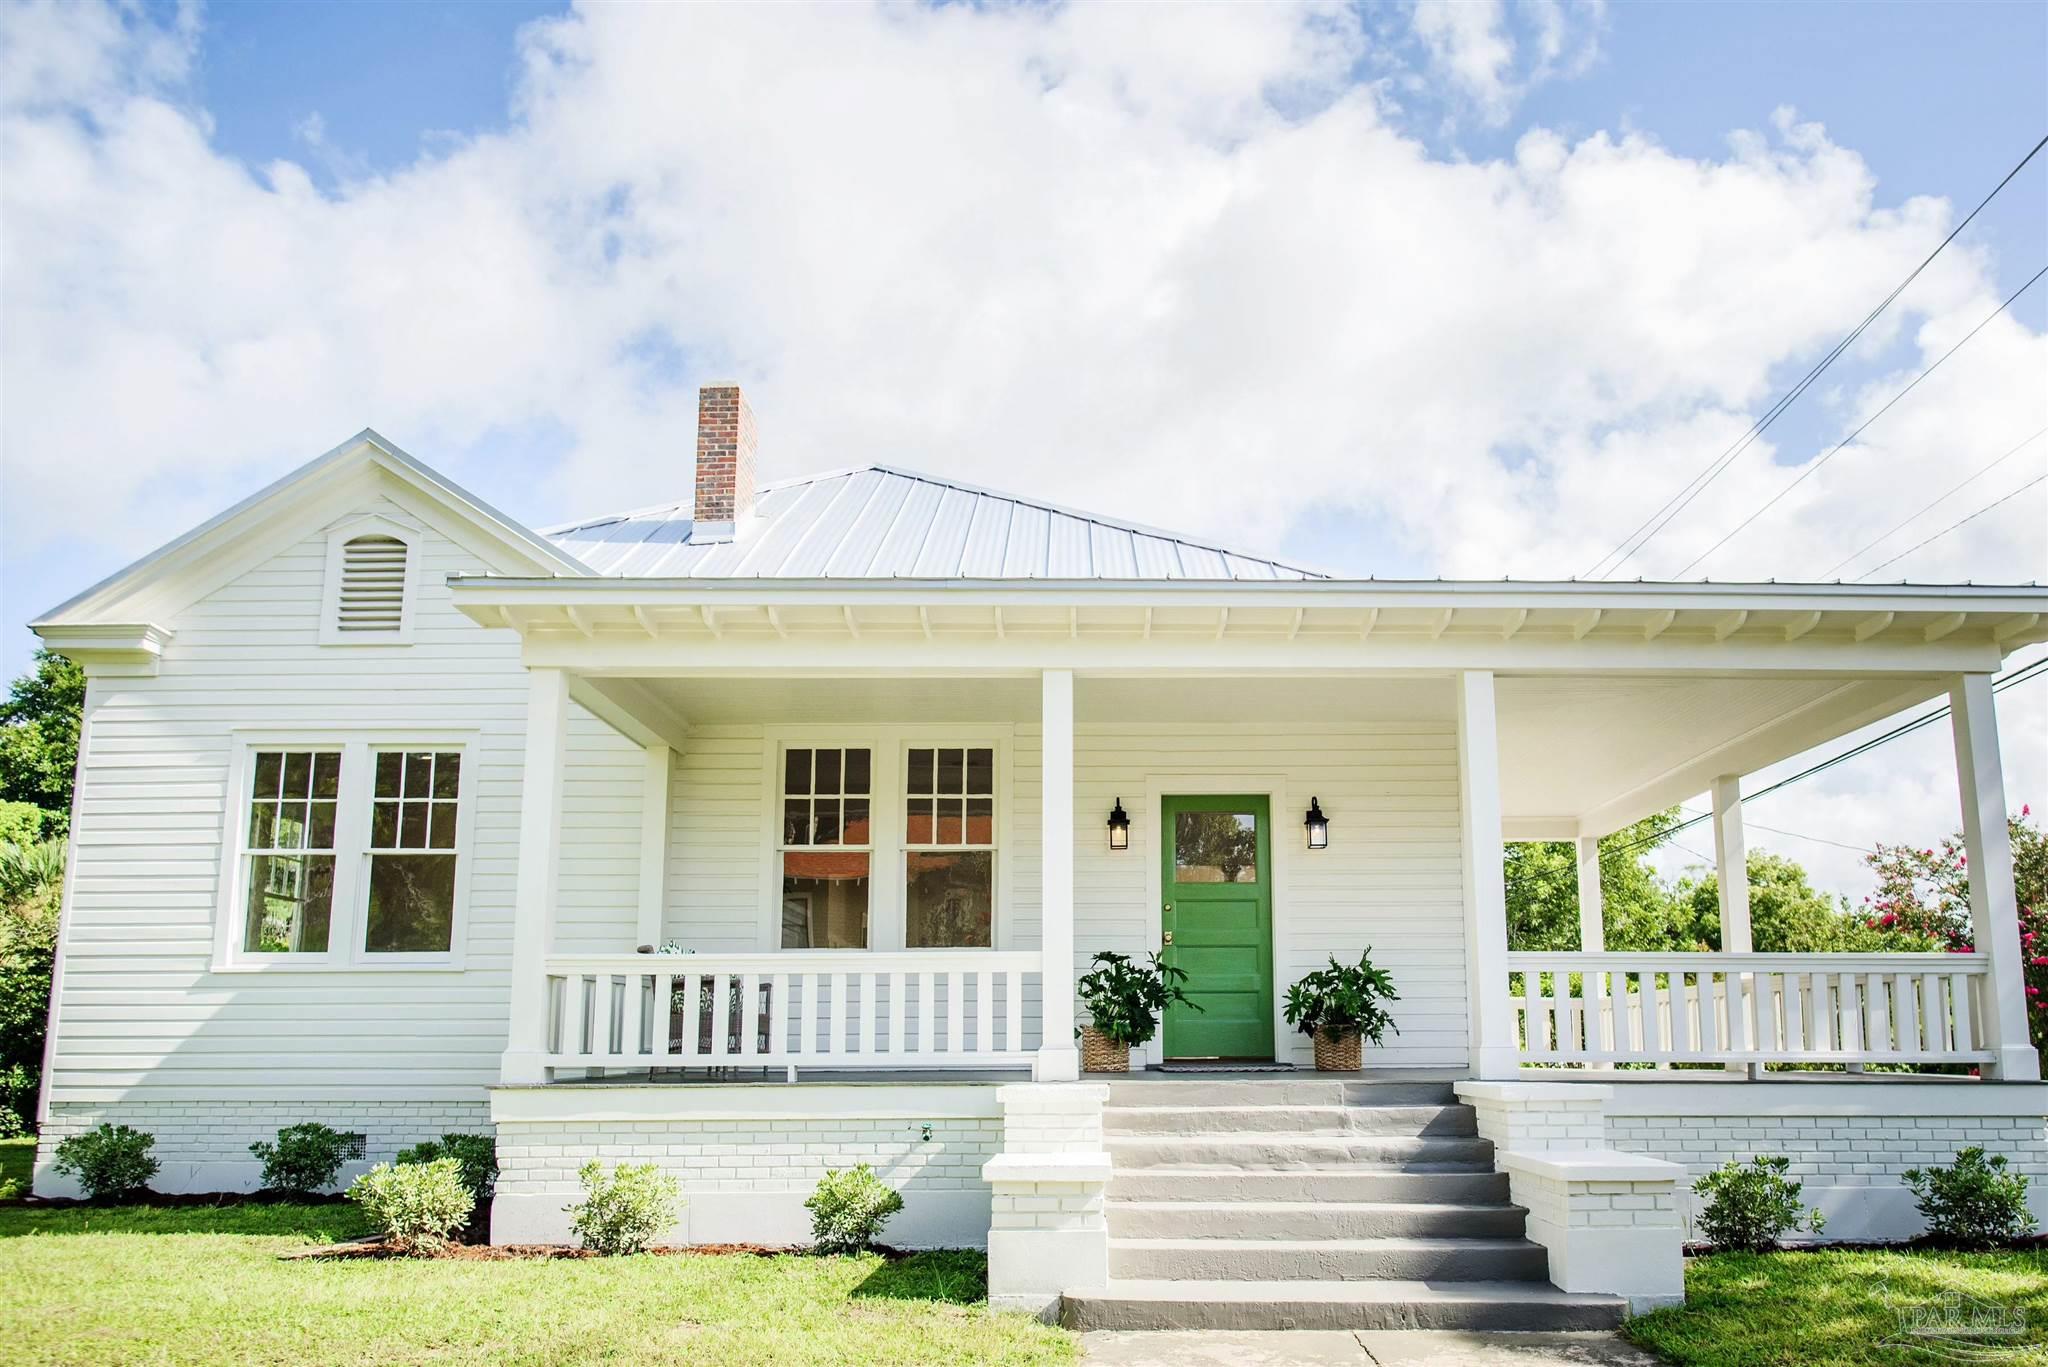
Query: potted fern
[(1341, 1007), (1123, 999)]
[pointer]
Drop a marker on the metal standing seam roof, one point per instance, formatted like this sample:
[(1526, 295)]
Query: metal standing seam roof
[(883, 523)]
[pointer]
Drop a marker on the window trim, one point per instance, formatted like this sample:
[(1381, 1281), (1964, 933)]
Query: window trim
[(372, 524), (997, 829), (348, 918), (866, 847), (889, 746)]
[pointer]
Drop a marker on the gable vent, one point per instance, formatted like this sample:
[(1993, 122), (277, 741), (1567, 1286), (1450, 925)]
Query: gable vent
[(372, 585)]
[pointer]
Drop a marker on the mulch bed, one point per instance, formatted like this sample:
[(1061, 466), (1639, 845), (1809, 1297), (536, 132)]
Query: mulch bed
[(375, 1247)]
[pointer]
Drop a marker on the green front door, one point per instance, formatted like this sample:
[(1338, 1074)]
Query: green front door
[(1218, 925)]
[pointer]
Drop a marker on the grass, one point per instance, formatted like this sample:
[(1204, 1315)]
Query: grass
[(1748, 1310), (205, 1285), (17, 1158)]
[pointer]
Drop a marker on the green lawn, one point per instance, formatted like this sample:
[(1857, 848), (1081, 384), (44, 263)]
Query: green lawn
[(205, 1286), (17, 1157), (1745, 1310)]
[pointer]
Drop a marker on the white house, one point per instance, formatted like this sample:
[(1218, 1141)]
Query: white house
[(383, 800)]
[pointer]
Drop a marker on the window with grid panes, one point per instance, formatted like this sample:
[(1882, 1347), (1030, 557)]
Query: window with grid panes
[(290, 851), (826, 847), (949, 847), (414, 807)]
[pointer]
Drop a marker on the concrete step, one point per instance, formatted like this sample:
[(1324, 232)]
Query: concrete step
[(1310, 1184), (1270, 1260), (1408, 1122), (1525, 1307), (1311, 1220), (1284, 1151), (1280, 1089)]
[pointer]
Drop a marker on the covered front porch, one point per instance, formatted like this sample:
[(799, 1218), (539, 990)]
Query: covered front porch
[(1428, 736)]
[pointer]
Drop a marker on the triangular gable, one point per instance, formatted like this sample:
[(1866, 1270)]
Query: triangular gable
[(303, 494)]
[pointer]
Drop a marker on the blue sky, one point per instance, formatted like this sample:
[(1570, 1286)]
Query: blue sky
[(1403, 290)]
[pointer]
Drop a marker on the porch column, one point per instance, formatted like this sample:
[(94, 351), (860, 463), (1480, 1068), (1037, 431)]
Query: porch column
[(1058, 1059), (1994, 908), (1494, 1051), (1731, 865), (540, 857), (654, 785), (1592, 909)]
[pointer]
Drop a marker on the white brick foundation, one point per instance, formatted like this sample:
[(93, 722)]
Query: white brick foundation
[(1849, 1142), (1609, 1220), (1047, 1233), (204, 1145), (748, 1155)]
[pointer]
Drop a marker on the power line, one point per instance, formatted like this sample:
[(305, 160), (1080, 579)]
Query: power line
[(1951, 527), (2033, 671), (1930, 507), (1836, 449), (1749, 825), (1700, 481)]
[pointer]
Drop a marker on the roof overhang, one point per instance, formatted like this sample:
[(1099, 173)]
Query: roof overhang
[(1312, 623)]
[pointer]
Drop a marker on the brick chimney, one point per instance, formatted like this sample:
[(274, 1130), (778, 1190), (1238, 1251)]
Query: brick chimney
[(725, 459)]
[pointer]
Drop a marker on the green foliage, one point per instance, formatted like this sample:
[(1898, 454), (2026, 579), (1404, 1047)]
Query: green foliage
[(622, 1211), (109, 1161), (849, 1209), (305, 1159), (30, 873), (1344, 999), (1786, 914), (475, 1154), (419, 1206), (39, 725), (1124, 998), (21, 823), (1543, 889), (1974, 1204), (1750, 1206), (28, 956)]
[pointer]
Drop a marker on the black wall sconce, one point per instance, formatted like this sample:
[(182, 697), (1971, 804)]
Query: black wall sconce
[(1119, 827), (1318, 826)]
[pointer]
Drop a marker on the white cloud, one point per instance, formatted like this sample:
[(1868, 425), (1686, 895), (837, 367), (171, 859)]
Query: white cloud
[(1177, 270)]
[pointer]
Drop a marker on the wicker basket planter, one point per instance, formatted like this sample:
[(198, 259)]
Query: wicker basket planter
[(1337, 1053), (1101, 1054)]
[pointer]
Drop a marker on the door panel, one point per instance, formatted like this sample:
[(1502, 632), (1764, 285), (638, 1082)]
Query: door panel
[(1219, 910)]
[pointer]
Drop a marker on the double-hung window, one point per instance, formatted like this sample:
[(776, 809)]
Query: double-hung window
[(949, 847), (826, 850), (349, 853)]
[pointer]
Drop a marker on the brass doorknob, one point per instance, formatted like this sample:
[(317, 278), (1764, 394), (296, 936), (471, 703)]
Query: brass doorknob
[(1169, 937)]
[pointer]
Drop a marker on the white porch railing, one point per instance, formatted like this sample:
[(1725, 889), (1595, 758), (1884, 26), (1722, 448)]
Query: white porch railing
[(1747, 1008), (797, 1008)]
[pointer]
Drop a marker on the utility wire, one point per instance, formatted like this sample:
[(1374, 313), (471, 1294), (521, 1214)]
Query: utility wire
[(1749, 825), (1700, 481), (1925, 509), (1836, 449), (1951, 527), (2036, 670)]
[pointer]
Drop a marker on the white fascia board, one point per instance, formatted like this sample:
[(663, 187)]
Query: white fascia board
[(600, 590), (107, 648), (274, 501)]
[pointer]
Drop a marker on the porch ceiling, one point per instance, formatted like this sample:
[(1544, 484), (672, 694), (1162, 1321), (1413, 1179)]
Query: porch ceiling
[(1579, 753)]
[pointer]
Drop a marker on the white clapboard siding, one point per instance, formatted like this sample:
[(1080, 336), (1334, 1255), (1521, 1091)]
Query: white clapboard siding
[(1390, 878), (142, 1016)]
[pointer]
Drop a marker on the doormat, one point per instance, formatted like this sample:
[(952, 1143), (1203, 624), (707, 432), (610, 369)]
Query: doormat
[(1222, 1067)]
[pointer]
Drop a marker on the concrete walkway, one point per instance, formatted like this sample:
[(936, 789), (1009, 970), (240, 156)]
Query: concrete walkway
[(1362, 1348)]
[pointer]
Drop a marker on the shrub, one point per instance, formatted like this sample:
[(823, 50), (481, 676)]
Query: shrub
[(419, 1206), (1974, 1204), (621, 1212), (849, 1209), (1124, 999), (304, 1160), (1750, 1206), (109, 1160), (475, 1154), (1344, 999)]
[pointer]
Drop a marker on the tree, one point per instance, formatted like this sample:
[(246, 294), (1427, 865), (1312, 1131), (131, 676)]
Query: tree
[(1786, 916), (39, 725), (1543, 889)]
